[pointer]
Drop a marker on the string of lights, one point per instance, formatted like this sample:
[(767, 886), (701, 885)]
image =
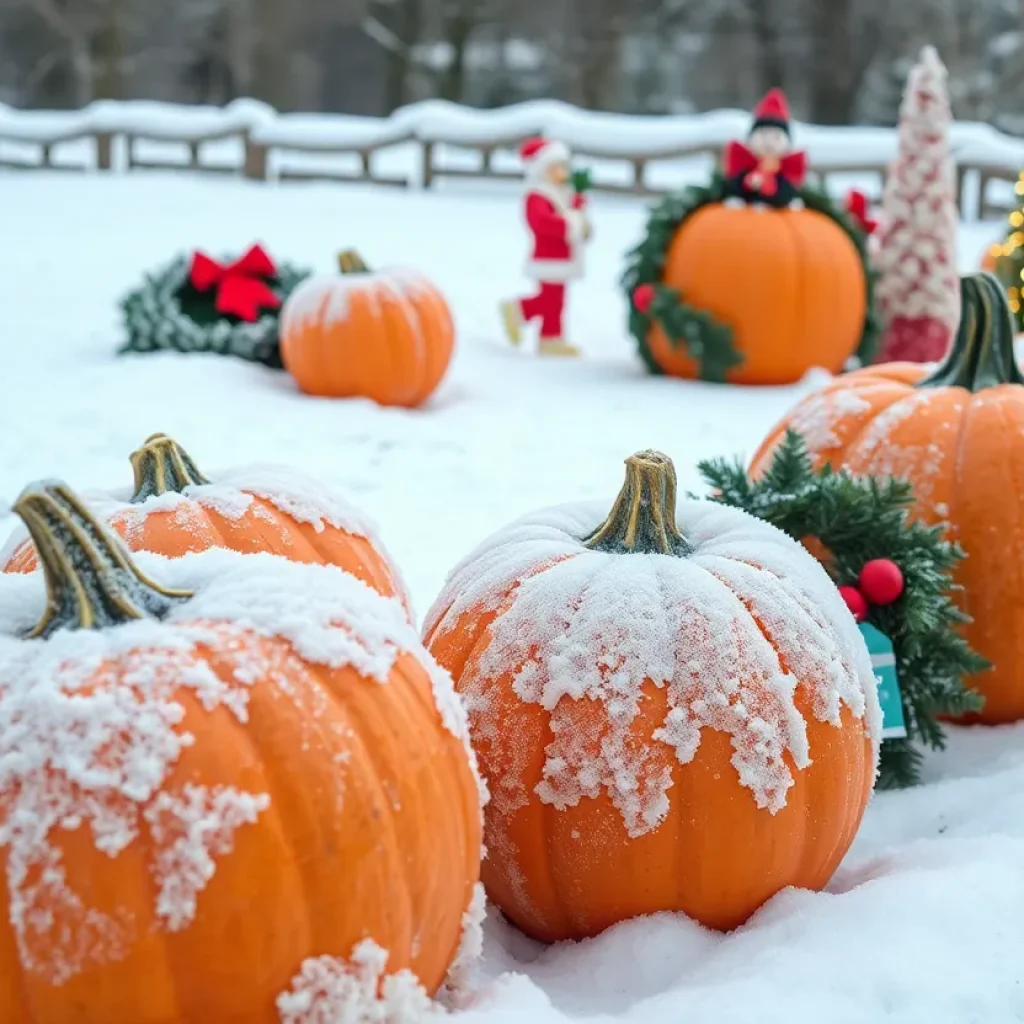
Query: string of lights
[(1006, 258)]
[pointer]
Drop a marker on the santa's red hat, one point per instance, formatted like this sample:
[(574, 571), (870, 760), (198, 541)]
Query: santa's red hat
[(772, 111), (539, 154)]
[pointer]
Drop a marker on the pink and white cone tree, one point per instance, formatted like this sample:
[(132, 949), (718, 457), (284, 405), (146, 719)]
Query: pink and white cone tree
[(918, 292)]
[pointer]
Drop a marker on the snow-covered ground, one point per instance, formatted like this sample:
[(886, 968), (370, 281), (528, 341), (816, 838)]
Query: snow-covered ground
[(924, 921)]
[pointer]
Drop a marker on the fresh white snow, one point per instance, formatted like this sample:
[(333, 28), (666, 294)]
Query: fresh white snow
[(924, 921)]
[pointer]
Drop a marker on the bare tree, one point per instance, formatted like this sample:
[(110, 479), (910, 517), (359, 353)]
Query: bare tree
[(840, 60), (396, 26)]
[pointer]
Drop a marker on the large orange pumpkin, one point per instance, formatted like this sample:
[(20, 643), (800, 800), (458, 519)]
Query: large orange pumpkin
[(957, 433), (175, 509), (790, 283), (386, 335), (231, 799), (667, 720)]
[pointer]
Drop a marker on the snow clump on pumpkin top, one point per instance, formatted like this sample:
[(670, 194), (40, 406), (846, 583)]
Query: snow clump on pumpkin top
[(76, 755), (327, 299), (231, 493), (733, 632)]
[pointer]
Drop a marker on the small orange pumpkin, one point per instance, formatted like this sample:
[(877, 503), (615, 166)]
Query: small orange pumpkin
[(175, 509), (956, 432), (233, 799), (666, 720), (789, 283), (386, 335)]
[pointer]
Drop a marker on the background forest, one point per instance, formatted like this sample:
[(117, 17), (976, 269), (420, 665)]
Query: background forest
[(840, 61)]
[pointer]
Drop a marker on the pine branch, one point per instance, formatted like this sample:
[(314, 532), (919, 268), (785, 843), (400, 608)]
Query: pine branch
[(856, 520)]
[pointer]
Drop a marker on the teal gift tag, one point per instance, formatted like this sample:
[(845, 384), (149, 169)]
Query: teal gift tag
[(883, 661)]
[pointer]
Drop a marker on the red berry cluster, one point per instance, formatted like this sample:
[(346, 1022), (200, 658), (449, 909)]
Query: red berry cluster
[(643, 297), (880, 582)]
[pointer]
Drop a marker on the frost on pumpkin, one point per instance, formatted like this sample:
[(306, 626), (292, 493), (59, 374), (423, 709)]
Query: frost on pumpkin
[(327, 299), (883, 450), (329, 990), (91, 727), (86, 744), (188, 828), (815, 418), (232, 495), (729, 633)]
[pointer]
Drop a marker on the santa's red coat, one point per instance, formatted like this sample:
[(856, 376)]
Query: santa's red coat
[(557, 221)]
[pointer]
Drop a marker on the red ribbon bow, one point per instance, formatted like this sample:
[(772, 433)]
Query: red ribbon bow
[(857, 208), (241, 286), (761, 174)]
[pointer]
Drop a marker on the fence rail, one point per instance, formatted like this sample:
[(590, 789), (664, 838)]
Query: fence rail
[(428, 142)]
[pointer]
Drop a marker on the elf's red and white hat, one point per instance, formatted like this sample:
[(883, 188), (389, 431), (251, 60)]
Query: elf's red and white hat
[(539, 154), (772, 111)]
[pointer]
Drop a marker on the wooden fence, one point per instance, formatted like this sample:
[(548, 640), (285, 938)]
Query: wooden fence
[(258, 150)]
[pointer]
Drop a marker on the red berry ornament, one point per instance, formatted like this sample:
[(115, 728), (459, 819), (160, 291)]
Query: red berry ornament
[(881, 581), (855, 601), (643, 297)]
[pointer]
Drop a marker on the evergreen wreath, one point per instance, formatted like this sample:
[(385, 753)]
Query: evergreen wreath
[(707, 340), (167, 312), (856, 520)]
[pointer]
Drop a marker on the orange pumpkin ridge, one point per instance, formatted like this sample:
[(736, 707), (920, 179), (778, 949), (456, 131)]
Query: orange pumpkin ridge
[(204, 819), (655, 707), (800, 300), (956, 432), (385, 335), (175, 509)]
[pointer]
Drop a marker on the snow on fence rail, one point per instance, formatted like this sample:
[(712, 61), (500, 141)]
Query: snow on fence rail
[(425, 142)]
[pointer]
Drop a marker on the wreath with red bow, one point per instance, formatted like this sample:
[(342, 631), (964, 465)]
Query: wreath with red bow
[(711, 340), (201, 304)]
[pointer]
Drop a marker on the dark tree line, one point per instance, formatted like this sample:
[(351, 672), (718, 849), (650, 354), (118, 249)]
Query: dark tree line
[(841, 61)]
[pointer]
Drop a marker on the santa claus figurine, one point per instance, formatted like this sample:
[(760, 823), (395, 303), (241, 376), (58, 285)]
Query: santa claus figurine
[(557, 219), (766, 171)]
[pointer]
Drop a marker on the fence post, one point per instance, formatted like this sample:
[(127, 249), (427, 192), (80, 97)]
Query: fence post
[(104, 151), (428, 164), (639, 172), (255, 166)]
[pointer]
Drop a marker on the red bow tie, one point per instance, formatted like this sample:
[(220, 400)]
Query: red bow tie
[(242, 289)]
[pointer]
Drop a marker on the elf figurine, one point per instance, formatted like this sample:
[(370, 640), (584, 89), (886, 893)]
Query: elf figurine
[(555, 209), (767, 170)]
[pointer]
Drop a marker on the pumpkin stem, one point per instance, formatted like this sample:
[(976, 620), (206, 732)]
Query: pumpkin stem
[(91, 582), (350, 262), (643, 518), (162, 465), (981, 355)]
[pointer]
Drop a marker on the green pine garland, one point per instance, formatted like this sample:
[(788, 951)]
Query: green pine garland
[(166, 312), (706, 339), (858, 519)]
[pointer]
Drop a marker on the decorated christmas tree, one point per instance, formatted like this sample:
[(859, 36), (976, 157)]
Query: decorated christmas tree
[(918, 289), (1006, 259)]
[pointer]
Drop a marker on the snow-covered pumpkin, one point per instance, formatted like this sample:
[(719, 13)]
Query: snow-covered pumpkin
[(671, 706), (174, 509), (386, 335), (956, 432), (241, 794)]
